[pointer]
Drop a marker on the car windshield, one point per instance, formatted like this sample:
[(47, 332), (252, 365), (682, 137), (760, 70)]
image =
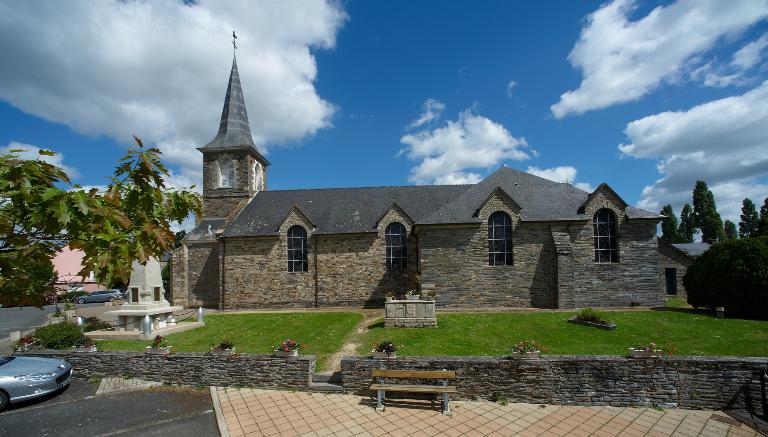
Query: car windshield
[(4, 360)]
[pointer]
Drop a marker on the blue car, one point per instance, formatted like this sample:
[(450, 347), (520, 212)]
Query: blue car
[(23, 378)]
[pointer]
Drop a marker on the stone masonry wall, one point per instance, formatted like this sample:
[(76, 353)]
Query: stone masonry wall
[(203, 275), (351, 269), (262, 371), (669, 258), (689, 382)]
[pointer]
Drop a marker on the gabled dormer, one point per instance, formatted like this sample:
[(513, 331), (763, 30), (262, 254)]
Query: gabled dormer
[(233, 168)]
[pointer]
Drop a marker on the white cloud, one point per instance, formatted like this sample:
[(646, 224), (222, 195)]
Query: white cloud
[(159, 69), (723, 142), (433, 110), (564, 173), (33, 152), (446, 153), (750, 55), (623, 60), (511, 88)]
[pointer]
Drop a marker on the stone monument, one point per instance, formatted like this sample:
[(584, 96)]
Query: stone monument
[(146, 310)]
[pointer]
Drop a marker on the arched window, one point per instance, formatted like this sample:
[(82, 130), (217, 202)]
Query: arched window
[(396, 241), (257, 180), (606, 246), (499, 239), (297, 249), (226, 173)]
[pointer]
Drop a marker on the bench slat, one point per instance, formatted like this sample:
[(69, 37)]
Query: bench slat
[(413, 388), (420, 374)]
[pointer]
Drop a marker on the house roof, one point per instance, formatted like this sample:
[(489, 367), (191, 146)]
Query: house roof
[(354, 210), (234, 129), (692, 249), (206, 230)]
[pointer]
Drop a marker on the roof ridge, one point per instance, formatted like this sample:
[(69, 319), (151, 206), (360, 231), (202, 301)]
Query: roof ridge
[(367, 188)]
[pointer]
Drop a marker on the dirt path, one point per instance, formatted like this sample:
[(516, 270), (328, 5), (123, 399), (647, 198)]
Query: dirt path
[(353, 342)]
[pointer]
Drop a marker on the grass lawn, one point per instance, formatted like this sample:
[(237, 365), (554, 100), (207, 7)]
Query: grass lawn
[(320, 334), (493, 334), (677, 302)]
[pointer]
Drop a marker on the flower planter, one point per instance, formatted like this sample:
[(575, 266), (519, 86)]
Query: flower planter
[(534, 354), (86, 349), (157, 351), (412, 297), (578, 321), (284, 354), (223, 352), (384, 355), (642, 353)]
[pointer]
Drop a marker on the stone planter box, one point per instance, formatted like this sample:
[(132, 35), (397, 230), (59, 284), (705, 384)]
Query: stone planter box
[(284, 354), (412, 297), (86, 349), (55, 320), (223, 352), (410, 313), (525, 354), (384, 355), (642, 353), (157, 351), (577, 321)]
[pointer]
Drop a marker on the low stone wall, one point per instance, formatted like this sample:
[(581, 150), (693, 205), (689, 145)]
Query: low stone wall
[(263, 371), (689, 382)]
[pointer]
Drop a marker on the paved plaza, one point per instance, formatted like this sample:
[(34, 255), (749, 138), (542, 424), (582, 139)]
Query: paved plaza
[(256, 412)]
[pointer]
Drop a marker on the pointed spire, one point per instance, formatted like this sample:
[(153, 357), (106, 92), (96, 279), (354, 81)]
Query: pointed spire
[(234, 129)]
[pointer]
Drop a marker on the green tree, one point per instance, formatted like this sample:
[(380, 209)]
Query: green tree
[(687, 228), (40, 214), (729, 229), (178, 237), (669, 225), (762, 225), (749, 219), (705, 215)]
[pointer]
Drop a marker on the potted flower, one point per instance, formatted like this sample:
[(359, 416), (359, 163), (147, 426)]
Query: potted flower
[(411, 295), (526, 349), (289, 348), (25, 343), (224, 348), (385, 349), (645, 350), (86, 345), (391, 296), (429, 295), (158, 347)]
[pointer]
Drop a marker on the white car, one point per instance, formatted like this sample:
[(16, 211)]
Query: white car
[(23, 378)]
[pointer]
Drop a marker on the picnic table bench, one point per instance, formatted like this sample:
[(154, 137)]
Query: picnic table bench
[(443, 375)]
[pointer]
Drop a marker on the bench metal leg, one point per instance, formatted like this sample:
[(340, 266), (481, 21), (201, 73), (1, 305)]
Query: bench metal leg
[(380, 400), (446, 406)]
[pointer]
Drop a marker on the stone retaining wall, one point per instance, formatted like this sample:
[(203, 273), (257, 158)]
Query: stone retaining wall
[(689, 382), (263, 371)]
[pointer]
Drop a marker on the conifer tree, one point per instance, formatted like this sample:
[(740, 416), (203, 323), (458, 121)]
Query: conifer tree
[(749, 219), (669, 225), (729, 228), (762, 225), (686, 229), (705, 214)]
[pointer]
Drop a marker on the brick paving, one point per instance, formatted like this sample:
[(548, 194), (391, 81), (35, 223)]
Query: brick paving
[(256, 412)]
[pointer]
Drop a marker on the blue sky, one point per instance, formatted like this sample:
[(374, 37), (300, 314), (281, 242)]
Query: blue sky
[(364, 93)]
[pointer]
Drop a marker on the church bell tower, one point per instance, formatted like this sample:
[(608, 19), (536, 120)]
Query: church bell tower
[(233, 169)]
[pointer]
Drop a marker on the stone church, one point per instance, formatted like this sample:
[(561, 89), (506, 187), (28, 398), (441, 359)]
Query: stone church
[(511, 240)]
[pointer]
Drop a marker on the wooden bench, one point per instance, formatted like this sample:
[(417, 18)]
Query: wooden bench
[(443, 375)]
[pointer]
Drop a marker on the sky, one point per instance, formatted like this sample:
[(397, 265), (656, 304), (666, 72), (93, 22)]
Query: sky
[(647, 96)]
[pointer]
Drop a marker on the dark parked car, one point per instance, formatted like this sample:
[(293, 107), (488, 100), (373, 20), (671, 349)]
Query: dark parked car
[(23, 378), (101, 296)]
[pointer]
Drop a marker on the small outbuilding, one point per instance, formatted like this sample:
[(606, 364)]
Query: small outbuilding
[(674, 260)]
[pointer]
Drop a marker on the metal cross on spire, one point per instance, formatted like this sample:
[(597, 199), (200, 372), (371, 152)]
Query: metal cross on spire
[(234, 41)]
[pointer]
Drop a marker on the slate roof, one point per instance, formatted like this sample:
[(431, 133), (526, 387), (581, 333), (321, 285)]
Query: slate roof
[(200, 232), (351, 210), (339, 210), (693, 249), (234, 129)]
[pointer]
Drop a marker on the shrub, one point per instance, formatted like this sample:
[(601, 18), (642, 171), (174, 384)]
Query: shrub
[(386, 346), (95, 324), (732, 274), (59, 336), (592, 315)]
